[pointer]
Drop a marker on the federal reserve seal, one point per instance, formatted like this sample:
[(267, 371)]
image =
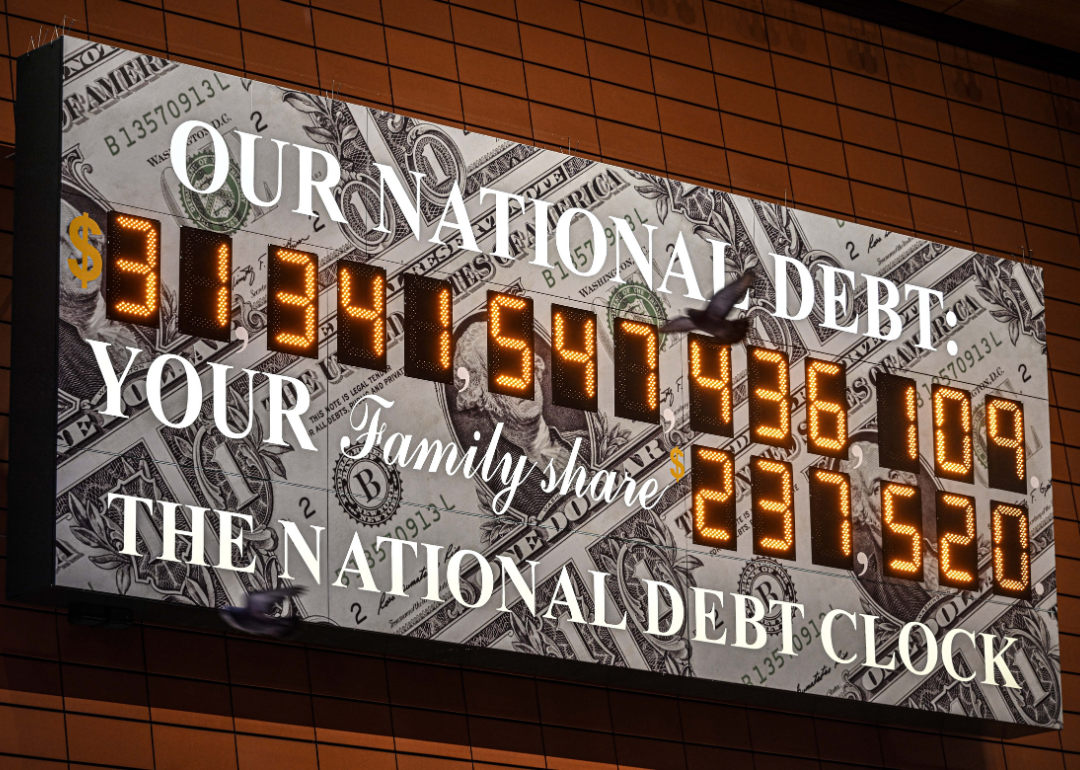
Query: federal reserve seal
[(368, 488), (223, 211), (766, 579), (637, 300)]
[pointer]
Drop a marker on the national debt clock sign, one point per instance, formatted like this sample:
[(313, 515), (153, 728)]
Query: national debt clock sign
[(264, 338)]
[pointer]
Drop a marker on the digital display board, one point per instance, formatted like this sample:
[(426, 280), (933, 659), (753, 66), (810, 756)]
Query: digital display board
[(522, 427)]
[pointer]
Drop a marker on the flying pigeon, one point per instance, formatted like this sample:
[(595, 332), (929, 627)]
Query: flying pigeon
[(713, 319), (255, 618)]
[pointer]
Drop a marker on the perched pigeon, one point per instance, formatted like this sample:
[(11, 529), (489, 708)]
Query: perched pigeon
[(255, 618), (713, 319)]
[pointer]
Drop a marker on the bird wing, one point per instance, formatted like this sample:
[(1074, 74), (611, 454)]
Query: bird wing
[(260, 625), (680, 324), (238, 619), (262, 602), (727, 332), (724, 300)]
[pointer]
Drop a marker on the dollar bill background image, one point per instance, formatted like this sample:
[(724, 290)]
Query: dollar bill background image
[(113, 159)]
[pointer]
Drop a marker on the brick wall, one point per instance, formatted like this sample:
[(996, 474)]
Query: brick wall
[(770, 98)]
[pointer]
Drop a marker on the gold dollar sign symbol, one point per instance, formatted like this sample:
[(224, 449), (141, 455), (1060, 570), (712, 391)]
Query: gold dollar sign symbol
[(679, 470), (79, 231)]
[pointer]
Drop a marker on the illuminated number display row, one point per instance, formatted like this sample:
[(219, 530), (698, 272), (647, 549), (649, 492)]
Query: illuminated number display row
[(772, 523), (133, 266), (132, 280)]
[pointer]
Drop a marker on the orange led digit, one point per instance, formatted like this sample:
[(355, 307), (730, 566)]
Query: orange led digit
[(573, 358), (292, 316), (510, 345), (221, 296), (1005, 453), (898, 423), (205, 275), (911, 424), (830, 518), (713, 487), (826, 408), (772, 493), (952, 434), (958, 549), (1012, 561), (445, 341), (361, 315), (770, 404), (710, 386), (429, 322), (637, 375), (901, 531), (133, 269)]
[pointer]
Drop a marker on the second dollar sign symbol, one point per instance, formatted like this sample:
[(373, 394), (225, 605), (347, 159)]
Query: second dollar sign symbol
[(676, 457), (79, 231)]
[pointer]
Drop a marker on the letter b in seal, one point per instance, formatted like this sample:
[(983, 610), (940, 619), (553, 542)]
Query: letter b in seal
[(368, 488), (766, 579)]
